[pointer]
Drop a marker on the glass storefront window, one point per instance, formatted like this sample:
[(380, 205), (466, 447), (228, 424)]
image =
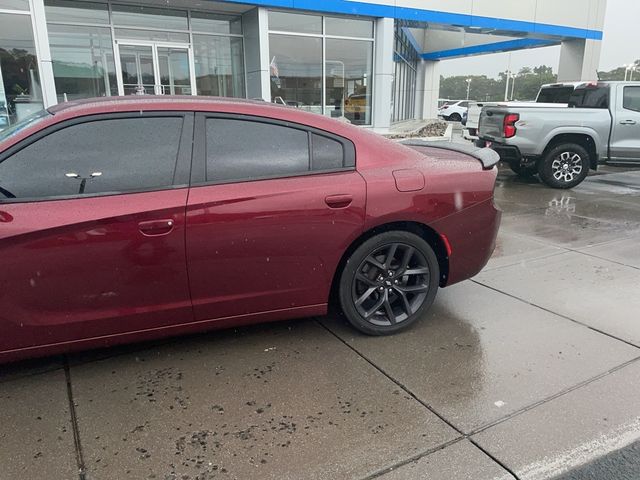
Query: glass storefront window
[(219, 66), (151, 35), (157, 51), (83, 64), (69, 11), (296, 71), (348, 69), (214, 23), (294, 22), (20, 92), (348, 27), (15, 4), (341, 88), (149, 17)]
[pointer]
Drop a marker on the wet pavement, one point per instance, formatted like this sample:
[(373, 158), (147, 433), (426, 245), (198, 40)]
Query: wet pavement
[(530, 370)]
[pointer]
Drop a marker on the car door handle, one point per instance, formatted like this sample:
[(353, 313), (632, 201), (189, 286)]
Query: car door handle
[(154, 228), (628, 122), (338, 201)]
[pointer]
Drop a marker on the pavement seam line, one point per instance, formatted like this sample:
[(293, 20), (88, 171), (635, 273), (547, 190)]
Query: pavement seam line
[(592, 255), (414, 458), (492, 457), (515, 297), (517, 263), (550, 398), (569, 249), (74, 423), (415, 397)]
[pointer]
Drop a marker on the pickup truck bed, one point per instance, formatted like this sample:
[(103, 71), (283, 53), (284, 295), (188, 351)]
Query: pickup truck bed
[(601, 123)]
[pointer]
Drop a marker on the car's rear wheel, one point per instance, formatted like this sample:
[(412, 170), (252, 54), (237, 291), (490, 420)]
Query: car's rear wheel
[(455, 117), (564, 166), (389, 282)]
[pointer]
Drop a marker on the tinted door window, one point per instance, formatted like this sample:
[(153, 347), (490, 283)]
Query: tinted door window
[(631, 98), (590, 97), (102, 156), (244, 149), (328, 154)]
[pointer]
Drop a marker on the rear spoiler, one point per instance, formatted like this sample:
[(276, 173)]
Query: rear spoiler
[(488, 157)]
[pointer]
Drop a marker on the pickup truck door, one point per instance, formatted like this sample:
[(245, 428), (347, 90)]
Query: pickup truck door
[(625, 136)]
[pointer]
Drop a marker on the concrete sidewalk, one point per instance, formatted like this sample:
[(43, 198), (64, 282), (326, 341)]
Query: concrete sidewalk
[(524, 372)]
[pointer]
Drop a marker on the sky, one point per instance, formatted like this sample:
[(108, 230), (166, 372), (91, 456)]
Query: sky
[(619, 47)]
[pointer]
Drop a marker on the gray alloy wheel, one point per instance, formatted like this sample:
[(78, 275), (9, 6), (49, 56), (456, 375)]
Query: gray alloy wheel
[(389, 282)]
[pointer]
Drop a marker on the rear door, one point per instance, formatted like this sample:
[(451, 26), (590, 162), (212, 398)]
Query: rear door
[(92, 216), (273, 208), (625, 137)]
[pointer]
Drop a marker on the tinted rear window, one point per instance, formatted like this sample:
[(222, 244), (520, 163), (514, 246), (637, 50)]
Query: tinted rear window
[(590, 97), (244, 149), (555, 95)]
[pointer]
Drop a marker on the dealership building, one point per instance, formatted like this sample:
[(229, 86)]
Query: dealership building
[(373, 62)]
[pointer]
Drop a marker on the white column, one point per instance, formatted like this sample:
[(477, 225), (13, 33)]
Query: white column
[(579, 60), (255, 26), (43, 52), (383, 74), (428, 89)]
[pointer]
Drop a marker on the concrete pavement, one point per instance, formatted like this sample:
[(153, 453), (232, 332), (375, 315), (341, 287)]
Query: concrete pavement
[(527, 371)]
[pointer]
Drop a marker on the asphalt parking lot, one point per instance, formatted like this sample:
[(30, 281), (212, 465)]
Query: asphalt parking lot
[(526, 371)]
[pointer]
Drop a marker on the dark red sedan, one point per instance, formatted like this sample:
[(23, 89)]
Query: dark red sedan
[(128, 219)]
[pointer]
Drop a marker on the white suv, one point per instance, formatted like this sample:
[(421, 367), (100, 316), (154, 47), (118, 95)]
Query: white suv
[(454, 111)]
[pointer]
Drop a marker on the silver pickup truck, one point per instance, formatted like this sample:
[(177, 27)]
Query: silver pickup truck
[(550, 95), (601, 124)]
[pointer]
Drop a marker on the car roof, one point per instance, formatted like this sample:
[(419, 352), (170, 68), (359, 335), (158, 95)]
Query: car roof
[(137, 101), (224, 105)]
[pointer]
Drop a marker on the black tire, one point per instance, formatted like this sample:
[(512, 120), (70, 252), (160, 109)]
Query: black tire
[(480, 143), (455, 117), (371, 284), (564, 166), (523, 171)]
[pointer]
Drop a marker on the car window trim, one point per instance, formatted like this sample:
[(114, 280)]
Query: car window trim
[(182, 168), (199, 164)]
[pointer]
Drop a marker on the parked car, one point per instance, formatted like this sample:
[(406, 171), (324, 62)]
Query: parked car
[(549, 95), (601, 124), (453, 111), (126, 219)]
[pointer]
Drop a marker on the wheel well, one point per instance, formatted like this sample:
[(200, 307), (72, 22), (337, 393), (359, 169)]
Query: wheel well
[(582, 139), (423, 231)]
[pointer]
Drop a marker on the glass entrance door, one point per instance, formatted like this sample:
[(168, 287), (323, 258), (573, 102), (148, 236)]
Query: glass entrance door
[(155, 69)]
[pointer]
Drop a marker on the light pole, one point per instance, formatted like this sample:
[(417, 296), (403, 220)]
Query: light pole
[(506, 87), (513, 85), (628, 71), (468, 87)]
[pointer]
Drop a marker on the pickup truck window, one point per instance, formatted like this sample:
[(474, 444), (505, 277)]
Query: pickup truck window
[(631, 98), (590, 97), (554, 95)]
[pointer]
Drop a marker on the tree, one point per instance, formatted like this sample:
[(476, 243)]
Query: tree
[(618, 73), (527, 83)]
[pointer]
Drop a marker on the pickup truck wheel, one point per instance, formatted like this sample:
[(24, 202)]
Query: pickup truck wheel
[(523, 171), (564, 166)]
